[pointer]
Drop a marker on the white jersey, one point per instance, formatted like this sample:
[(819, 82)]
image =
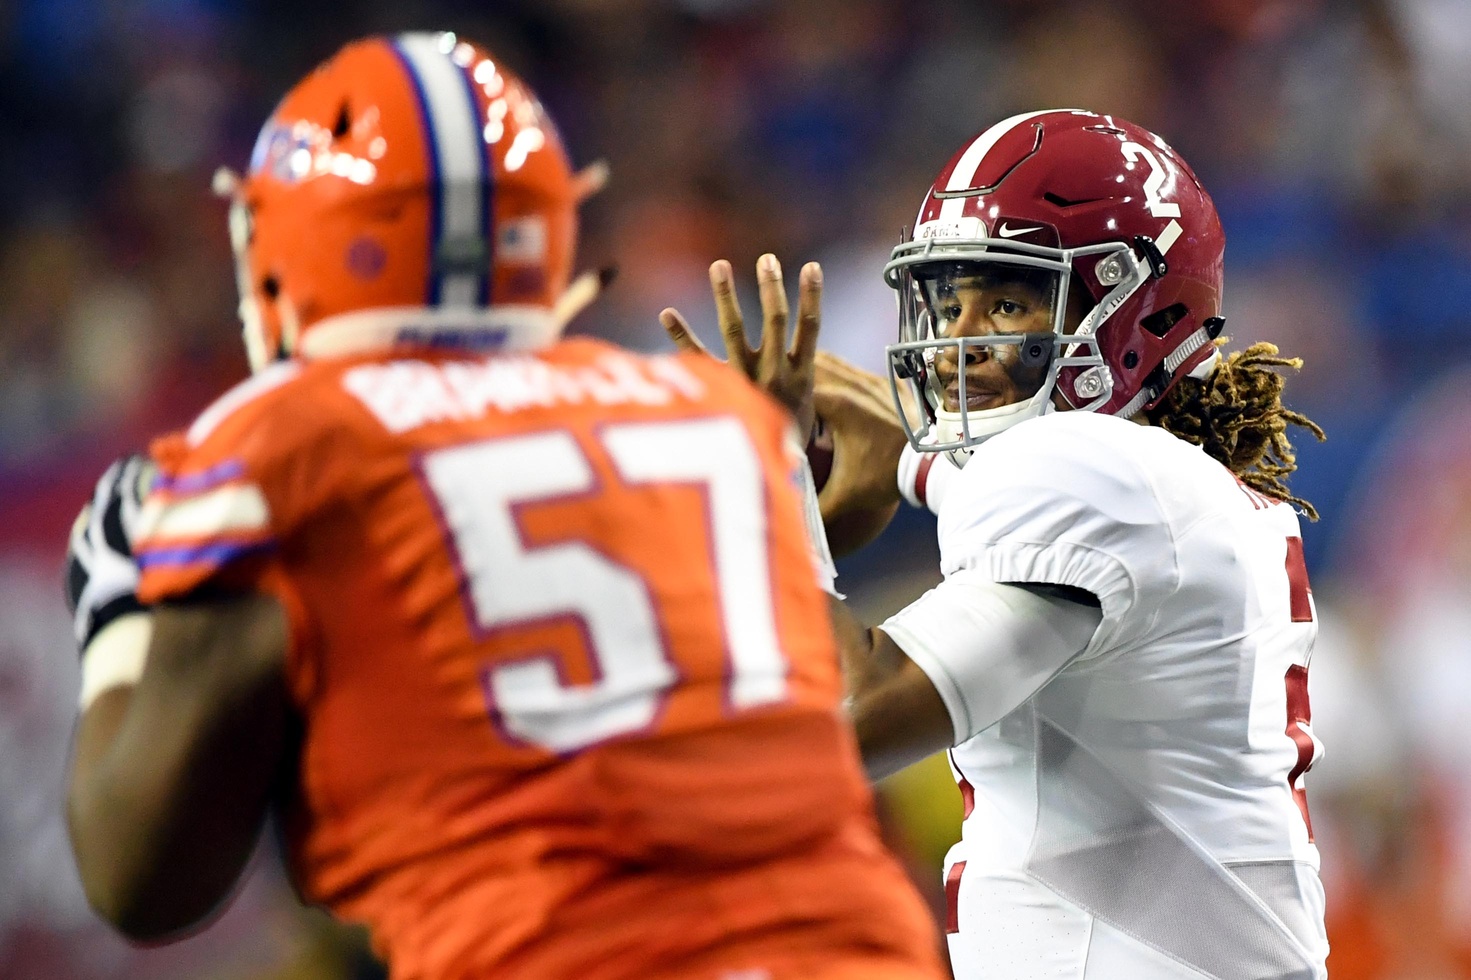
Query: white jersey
[(1136, 811)]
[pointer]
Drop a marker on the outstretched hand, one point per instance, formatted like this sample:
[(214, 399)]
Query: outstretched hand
[(785, 372), (861, 428)]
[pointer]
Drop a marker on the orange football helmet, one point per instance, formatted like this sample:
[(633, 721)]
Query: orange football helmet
[(409, 190)]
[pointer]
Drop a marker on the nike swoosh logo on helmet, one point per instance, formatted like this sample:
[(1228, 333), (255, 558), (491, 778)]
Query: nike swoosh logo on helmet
[(1006, 232)]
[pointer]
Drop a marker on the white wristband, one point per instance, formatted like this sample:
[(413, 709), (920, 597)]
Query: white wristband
[(822, 556), (115, 656)]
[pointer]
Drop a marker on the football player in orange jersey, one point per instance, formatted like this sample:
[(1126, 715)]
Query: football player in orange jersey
[(524, 636)]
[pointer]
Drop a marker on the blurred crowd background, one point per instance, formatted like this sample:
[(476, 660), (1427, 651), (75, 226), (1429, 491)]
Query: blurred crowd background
[(1335, 136)]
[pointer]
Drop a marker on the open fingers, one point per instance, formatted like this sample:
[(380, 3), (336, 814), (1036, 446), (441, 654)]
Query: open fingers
[(728, 312), (679, 331), (774, 315), (809, 316)]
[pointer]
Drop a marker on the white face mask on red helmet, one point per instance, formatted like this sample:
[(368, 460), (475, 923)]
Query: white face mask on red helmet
[(1109, 210)]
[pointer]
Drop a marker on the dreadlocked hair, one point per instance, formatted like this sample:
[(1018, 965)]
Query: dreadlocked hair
[(1236, 415)]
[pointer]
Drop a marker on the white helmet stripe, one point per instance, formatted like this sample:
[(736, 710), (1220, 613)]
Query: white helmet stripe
[(970, 161), (457, 155), (1168, 237)]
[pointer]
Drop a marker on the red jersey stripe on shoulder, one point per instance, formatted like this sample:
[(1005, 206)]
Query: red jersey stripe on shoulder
[(922, 478), (237, 397)]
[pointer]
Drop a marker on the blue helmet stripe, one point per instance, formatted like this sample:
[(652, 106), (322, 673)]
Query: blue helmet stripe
[(426, 120), (438, 64)]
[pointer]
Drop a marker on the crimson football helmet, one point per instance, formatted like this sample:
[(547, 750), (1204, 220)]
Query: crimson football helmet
[(409, 190), (1081, 206)]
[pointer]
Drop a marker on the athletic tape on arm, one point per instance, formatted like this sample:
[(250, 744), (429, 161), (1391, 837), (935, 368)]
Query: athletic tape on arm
[(116, 656)]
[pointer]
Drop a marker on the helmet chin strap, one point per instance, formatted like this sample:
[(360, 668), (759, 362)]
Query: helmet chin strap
[(286, 315), (579, 295), (252, 323), (953, 426), (258, 351), (254, 337)]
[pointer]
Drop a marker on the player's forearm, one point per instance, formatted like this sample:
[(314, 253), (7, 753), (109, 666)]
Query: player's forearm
[(859, 655), (899, 723), (898, 717), (158, 847), (172, 777), (130, 827), (104, 853)]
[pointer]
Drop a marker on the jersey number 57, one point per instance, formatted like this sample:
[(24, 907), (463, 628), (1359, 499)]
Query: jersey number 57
[(478, 488)]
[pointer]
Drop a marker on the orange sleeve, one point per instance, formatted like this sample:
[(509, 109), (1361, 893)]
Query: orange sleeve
[(241, 483), (239, 488), (207, 523)]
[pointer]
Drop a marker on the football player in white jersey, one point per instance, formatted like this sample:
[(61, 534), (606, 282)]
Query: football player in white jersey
[(1117, 656)]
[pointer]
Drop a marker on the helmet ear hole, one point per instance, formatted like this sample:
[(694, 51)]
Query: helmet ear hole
[(343, 125), (271, 287), (1160, 321)]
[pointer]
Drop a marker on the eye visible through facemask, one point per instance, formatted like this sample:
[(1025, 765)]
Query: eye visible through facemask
[(982, 299)]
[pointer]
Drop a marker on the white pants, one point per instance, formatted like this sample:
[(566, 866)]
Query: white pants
[(1010, 926)]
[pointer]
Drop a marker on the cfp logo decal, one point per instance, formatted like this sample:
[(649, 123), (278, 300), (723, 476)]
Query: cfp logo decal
[(284, 152), (302, 150), (522, 240)]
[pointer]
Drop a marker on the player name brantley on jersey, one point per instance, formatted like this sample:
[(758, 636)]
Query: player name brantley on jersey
[(407, 394)]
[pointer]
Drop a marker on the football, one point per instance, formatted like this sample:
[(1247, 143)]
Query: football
[(820, 453)]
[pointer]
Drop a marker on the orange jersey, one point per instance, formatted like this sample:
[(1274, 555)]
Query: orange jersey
[(568, 689)]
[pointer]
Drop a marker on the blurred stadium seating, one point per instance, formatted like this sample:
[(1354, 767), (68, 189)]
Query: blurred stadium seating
[(1335, 135)]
